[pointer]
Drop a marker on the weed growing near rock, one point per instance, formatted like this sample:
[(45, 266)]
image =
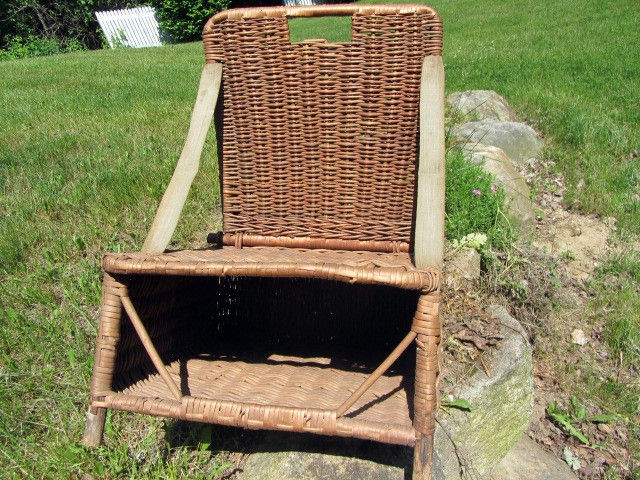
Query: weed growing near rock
[(474, 203)]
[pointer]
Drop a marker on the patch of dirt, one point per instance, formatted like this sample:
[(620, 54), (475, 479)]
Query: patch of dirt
[(563, 356), (562, 366), (581, 241), (608, 449)]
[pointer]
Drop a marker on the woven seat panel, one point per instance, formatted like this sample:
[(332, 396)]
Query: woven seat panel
[(320, 139), (283, 381), (394, 269)]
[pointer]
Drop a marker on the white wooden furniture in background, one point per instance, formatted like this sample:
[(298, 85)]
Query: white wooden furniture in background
[(130, 27), (293, 3)]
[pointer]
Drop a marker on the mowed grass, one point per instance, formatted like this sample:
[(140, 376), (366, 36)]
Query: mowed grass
[(88, 142)]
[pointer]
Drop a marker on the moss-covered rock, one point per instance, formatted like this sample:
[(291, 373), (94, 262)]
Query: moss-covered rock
[(502, 406)]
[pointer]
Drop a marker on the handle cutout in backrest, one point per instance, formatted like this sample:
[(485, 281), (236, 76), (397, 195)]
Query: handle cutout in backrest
[(333, 29)]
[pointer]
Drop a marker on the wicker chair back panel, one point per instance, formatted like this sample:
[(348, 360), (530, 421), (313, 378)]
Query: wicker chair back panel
[(320, 139)]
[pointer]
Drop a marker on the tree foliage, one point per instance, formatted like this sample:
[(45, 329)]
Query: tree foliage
[(66, 21), (28, 25), (183, 19)]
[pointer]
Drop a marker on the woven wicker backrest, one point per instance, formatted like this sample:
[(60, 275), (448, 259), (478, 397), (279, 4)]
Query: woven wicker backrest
[(320, 139)]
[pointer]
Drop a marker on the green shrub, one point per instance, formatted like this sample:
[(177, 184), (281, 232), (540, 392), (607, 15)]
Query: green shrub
[(67, 22), (474, 204), (183, 19), (32, 46)]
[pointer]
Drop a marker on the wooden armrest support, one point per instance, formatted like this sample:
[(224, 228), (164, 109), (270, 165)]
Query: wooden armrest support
[(429, 233), (164, 224)]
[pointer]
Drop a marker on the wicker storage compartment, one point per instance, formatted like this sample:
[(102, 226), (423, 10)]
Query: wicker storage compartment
[(276, 351), (268, 343)]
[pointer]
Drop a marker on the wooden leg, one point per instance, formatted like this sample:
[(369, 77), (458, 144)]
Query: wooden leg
[(423, 457), (95, 427)]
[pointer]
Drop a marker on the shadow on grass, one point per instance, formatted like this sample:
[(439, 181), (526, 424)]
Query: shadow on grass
[(235, 445)]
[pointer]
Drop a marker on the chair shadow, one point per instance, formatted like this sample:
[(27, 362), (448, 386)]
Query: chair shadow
[(238, 444)]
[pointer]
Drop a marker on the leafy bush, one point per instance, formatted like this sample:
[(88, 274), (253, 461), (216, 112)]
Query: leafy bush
[(474, 204), (68, 24), (32, 46), (183, 19)]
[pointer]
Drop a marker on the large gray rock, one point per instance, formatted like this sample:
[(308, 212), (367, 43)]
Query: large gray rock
[(502, 405), (472, 443), (482, 105), (529, 461), (315, 466), (304, 457), (495, 161), (518, 140)]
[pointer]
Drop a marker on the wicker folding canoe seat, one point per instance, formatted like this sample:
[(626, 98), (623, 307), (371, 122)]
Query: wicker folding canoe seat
[(300, 315)]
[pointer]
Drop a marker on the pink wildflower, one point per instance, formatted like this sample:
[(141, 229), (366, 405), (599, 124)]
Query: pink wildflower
[(477, 192), (494, 188)]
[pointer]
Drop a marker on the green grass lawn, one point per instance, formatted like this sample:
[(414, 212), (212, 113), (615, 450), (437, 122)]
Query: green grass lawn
[(88, 142)]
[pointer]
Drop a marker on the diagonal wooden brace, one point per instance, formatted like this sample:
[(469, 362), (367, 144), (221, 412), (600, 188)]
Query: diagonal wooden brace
[(148, 345), (175, 196), (378, 372)]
